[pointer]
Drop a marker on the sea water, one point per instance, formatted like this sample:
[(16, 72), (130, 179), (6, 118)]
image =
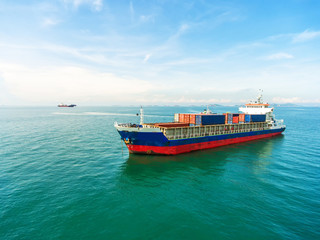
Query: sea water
[(64, 174)]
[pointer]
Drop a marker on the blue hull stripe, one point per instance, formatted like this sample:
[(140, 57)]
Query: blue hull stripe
[(158, 139)]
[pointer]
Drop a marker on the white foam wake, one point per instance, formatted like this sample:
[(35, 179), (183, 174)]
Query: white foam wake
[(102, 114)]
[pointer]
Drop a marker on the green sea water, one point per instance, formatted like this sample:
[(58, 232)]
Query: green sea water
[(64, 174)]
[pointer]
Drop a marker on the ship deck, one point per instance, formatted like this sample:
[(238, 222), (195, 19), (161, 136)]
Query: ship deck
[(174, 133)]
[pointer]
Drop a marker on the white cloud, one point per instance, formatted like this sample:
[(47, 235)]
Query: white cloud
[(131, 9), (95, 4), (181, 99), (146, 18), (305, 36), (286, 100), (278, 56), (47, 22), (228, 16), (189, 100), (72, 83), (146, 58), (294, 100), (98, 4), (74, 3), (182, 29)]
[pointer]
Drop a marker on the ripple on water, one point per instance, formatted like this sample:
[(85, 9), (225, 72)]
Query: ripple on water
[(66, 175)]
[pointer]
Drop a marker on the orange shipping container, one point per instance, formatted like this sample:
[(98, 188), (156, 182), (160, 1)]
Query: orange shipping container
[(193, 118), (241, 117), (181, 117), (226, 115), (186, 118), (235, 120)]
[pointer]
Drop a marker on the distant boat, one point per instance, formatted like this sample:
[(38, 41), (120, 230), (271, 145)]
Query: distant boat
[(65, 105)]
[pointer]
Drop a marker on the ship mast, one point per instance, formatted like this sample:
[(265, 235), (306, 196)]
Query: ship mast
[(141, 115), (260, 96)]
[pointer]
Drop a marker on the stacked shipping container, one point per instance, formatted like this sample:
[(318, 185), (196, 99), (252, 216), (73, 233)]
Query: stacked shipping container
[(258, 117), (210, 119), (213, 119), (176, 117), (227, 117), (193, 118), (200, 119), (242, 118)]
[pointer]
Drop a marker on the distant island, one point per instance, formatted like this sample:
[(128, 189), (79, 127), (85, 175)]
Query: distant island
[(286, 105)]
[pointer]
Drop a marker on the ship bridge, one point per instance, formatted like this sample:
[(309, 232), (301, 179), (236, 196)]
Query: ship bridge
[(257, 107)]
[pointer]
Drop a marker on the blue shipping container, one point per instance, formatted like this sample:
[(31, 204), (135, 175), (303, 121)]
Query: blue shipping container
[(210, 119), (213, 119), (198, 120), (258, 117), (247, 118)]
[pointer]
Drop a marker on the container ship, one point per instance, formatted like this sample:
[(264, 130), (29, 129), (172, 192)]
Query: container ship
[(65, 105), (191, 132)]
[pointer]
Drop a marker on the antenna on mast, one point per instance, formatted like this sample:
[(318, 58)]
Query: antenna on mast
[(260, 96), (141, 115), (208, 111)]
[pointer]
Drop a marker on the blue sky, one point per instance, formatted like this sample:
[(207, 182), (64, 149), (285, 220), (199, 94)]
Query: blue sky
[(99, 52)]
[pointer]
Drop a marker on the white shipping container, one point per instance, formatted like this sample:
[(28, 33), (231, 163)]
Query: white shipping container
[(176, 117)]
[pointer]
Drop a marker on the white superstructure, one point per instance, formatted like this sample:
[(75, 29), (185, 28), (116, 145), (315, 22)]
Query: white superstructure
[(256, 107), (259, 107)]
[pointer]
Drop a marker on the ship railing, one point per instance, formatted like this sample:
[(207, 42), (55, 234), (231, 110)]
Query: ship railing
[(279, 122), (128, 125), (213, 130)]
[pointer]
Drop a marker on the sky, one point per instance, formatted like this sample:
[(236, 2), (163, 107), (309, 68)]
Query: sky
[(162, 52)]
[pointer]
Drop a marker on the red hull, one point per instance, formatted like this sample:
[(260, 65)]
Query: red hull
[(173, 150)]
